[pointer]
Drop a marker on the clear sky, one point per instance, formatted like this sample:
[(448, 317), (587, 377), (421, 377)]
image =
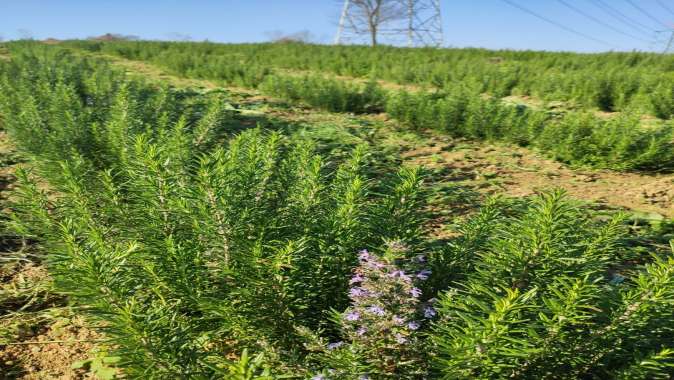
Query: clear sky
[(476, 23)]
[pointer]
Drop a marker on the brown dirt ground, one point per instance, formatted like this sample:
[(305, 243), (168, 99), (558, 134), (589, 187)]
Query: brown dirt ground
[(155, 74), (50, 352), (46, 339), (493, 169), (516, 171)]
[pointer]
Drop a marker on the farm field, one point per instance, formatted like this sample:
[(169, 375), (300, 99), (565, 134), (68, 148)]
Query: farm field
[(263, 211)]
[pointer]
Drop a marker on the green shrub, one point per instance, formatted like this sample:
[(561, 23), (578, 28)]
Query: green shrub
[(662, 100), (611, 82), (252, 245), (326, 93), (543, 299), (603, 95), (188, 252), (617, 143), (620, 143)]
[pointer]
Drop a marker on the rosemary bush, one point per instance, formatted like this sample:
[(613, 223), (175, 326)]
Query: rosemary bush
[(186, 253), (544, 297), (326, 93)]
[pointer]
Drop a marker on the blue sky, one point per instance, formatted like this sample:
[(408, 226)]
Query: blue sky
[(476, 23)]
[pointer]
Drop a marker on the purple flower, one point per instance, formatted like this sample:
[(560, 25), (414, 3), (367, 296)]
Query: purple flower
[(415, 292), (356, 279), (413, 325), (397, 320), (318, 377), (400, 339), (353, 316), (361, 331), (429, 312), (376, 310), (364, 255), (400, 274), (374, 264), (397, 273), (420, 259), (332, 346), (357, 292), (423, 275)]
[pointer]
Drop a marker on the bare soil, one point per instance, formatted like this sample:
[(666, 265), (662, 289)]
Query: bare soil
[(503, 169), (516, 171), (39, 337), (50, 352)]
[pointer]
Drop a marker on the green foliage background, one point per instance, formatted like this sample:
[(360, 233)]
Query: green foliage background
[(207, 250)]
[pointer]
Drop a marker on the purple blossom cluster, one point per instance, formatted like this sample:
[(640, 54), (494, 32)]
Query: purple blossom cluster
[(386, 311), (381, 289)]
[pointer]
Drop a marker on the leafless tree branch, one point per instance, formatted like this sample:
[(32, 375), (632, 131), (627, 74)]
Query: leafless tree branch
[(370, 16)]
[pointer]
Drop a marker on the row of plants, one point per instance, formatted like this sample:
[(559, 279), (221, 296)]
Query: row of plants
[(203, 252), (637, 82), (577, 138), (326, 93), (620, 143)]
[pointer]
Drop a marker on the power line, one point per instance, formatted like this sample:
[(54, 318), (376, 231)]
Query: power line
[(618, 15), (562, 26), (591, 17), (643, 11), (665, 7)]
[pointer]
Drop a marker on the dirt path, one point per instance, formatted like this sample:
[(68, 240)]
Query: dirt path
[(516, 171), (486, 168), (4, 54)]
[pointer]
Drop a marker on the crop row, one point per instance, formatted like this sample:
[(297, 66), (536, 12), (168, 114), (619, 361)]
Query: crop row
[(577, 138), (636, 82)]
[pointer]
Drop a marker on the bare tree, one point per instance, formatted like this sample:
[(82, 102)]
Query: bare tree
[(371, 16)]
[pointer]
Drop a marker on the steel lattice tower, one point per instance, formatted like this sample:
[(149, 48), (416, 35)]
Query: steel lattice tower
[(420, 24), (670, 42)]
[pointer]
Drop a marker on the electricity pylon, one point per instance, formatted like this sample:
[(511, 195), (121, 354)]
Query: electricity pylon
[(424, 26), (418, 24), (670, 43), (668, 40)]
